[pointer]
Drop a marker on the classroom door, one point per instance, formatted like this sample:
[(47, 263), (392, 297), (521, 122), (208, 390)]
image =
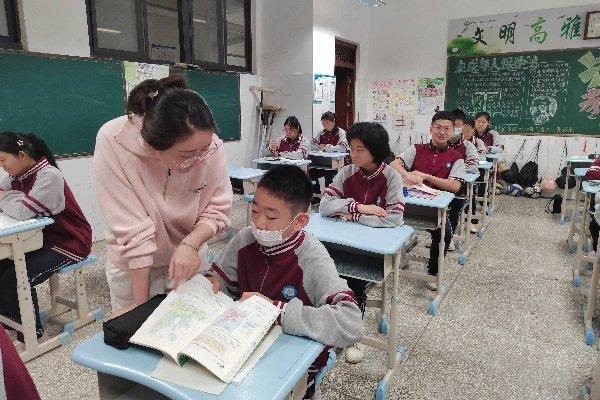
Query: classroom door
[(344, 97)]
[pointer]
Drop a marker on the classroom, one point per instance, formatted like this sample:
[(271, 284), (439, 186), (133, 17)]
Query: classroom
[(299, 199)]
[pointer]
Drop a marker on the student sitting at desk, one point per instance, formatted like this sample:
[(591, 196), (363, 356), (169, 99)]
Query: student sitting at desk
[(593, 173), (439, 167), (292, 144), (36, 187), (459, 118), (468, 135), (368, 192), (331, 139), (277, 260), (489, 137), (463, 144)]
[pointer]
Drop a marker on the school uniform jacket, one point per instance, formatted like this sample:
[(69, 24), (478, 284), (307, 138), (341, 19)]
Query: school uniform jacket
[(296, 149), (492, 141), (15, 381), (468, 152), (301, 279), (444, 163), (334, 141), (353, 186), (43, 191), (478, 143), (592, 174)]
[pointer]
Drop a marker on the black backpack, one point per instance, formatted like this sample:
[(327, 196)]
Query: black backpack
[(561, 180), (554, 206), (511, 175), (529, 173)]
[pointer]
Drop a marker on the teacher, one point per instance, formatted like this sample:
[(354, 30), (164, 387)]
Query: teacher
[(161, 179)]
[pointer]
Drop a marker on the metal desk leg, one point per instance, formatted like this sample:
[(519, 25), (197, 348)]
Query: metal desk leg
[(467, 246), (580, 241), (492, 207), (441, 284), (485, 206), (591, 305), (573, 225), (563, 208)]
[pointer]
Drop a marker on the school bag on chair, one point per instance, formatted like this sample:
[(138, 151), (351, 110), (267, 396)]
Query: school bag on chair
[(554, 205), (511, 175), (529, 173)]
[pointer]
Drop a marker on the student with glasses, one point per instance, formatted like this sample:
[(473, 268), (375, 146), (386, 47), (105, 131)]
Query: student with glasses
[(161, 179)]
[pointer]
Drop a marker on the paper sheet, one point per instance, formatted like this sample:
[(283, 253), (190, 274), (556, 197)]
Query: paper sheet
[(194, 376)]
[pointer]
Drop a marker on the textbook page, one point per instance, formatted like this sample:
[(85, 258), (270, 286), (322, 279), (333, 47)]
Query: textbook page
[(182, 315), (224, 347)]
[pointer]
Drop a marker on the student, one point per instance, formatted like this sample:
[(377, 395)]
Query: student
[(161, 179), (368, 192), (488, 136), (593, 173), (15, 381), (439, 167), (292, 144), (466, 148), (276, 259), (459, 118), (36, 187), (331, 137), (468, 134)]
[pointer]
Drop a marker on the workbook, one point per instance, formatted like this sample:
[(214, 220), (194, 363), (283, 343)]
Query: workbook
[(423, 191), (210, 328)]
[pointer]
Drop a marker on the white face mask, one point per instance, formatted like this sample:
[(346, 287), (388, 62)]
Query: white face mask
[(457, 133), (270, 238)]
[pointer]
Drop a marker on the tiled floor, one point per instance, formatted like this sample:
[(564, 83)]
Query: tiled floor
[(511, 326)]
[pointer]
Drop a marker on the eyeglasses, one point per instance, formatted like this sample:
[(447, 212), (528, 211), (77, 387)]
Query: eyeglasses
[(203, 154), (439, 128)]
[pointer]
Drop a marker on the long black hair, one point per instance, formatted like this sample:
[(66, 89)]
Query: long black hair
[(30, 144), (293, 122), (171, 111), (485, 115), (330, 116)]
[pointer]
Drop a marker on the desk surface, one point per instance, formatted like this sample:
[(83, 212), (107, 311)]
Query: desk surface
[(579, 159), (485, 165), (590, 186), (278, 161), (441, 201), (273, 377), (245, 173), (471, 177), (580, 171), (24, 226), (358, 236), (328, 154)]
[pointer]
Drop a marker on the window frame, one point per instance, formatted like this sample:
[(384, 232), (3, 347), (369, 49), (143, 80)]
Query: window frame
[(186, 36), (13, 40)]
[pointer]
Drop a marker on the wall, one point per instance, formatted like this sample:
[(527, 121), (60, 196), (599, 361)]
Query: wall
[(408, 38), (63, 30)]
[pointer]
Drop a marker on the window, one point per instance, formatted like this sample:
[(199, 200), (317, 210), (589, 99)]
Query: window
[(212, 33), (9, 26)]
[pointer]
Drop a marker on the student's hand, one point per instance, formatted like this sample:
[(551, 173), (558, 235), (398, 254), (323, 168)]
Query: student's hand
[(2, 192), (247, 295), (411, 179), (423, 176), (344, 216), (185, 262), (273, 146), (322, 147), (216, 283), (371, 210), (123, 310)]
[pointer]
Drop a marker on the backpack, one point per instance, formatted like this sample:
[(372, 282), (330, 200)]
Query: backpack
[(529, 173), (511, 175), (554, 206), (561, 180)]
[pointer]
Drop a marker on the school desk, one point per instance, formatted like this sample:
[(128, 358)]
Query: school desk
[(572, 163), (429, 214), (592, 391), (462, 237), (15, 241), (483, 214), (244, 180), (327, 160), (493, 158), (589, 188), (282, 370), (573, 226), (270, 162), (373, 255)]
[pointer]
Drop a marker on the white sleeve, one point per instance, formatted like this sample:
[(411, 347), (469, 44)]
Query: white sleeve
[(408, 157)]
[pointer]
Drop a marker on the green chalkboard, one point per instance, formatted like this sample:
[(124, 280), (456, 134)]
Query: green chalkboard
[(222, 93), (549, 92), (62, 100)]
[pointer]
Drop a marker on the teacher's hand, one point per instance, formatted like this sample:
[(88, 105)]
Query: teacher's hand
[(185, 262)]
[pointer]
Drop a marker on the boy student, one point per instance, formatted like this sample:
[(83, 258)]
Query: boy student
[(276, 259), (368, 192), (466, 147), (439, 167), (459, 118)]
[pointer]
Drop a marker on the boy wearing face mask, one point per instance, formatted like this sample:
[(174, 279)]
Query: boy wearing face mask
[(465, 147), (277, 260)]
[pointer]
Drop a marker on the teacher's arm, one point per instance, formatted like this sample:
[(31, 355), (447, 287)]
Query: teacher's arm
[(126, 217)]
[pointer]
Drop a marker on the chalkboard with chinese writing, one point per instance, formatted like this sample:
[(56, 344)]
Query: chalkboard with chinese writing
[(548, 92)]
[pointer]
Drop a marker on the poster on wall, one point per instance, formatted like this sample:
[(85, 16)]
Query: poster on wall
[(324, 91), (554, 28), (430, 93), (138, 72)]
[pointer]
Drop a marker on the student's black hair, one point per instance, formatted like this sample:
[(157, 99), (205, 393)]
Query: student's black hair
[(30, 144), (293, 122), (171, 111), (442, 115), (373, 136), (483, 114), (330, 116), (290, 184), (470, 121), (457, 113)]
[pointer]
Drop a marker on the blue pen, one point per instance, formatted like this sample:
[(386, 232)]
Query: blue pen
[(405, 191)]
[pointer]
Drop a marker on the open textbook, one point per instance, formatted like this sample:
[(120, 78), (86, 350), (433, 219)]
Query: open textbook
[(210, 328), (423, 191)]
